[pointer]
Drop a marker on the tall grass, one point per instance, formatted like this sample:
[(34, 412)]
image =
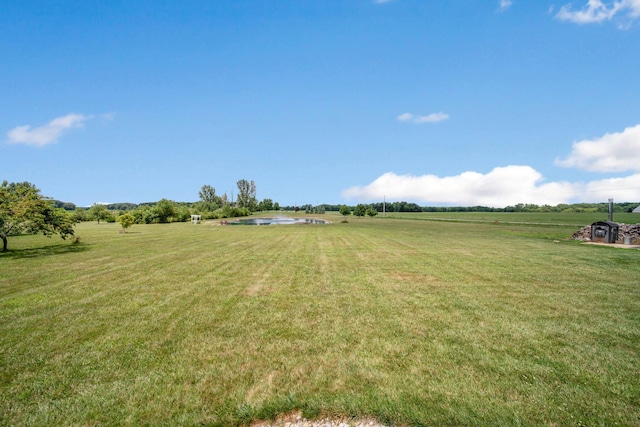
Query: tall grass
[(412, 322)]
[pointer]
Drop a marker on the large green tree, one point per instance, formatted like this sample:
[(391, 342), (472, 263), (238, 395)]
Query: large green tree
[(23, 210), (164, 210), (99, 212), (209, 200), (247, 195), (360, 210), (207, 194), (344, 210)]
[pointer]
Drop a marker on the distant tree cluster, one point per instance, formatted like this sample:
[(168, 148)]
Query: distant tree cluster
[(64, 205), (209, 206), (268, 205), (309, 209), (529, 207), (520, 207), (362, 210), (212, 206)]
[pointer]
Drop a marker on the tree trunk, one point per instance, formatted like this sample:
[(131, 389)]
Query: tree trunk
[(4, 243)]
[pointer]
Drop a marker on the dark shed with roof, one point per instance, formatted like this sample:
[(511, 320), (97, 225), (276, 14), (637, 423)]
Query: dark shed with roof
[(604, 232)]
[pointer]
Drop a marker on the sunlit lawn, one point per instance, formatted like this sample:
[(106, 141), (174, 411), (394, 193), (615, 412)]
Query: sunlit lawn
[(411, 322)]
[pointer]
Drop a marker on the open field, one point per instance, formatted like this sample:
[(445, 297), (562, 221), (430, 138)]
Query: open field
[(574, 219), (411, 322)]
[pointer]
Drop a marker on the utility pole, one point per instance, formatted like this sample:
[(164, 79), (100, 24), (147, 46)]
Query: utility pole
[(384, 206)]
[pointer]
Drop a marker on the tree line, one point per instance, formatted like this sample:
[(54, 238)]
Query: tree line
[(23, 210), (520, 207), (210, 206)]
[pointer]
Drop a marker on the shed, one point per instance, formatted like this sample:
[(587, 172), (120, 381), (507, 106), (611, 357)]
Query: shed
[(636, 210), (604, 232)]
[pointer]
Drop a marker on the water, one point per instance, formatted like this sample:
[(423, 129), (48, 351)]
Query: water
[(277, 220)]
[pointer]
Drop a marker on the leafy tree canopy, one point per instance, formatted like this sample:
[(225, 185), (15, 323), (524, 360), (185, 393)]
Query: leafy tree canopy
[(98, 212), (344, 210), (209, 200), (360, 210), (23, 210), (164, 210), (207, 194), (126, 220), (247, 195), (266, 205)]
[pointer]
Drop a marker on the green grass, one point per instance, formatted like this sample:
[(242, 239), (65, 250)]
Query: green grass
[(412, 322), (531, 218)]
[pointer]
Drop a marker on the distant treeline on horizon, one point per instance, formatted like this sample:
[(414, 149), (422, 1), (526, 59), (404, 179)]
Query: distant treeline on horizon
[(407, 207)]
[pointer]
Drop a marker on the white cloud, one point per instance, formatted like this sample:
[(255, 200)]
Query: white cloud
[(503, 186), (622, 189), (613, 152), (48, 133), (510, 185), (505, 4), (597, 11), (431, 118)]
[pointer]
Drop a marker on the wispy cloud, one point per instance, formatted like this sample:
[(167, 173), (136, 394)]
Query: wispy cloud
[(505, 4), (430, 118), (597, 11), (613, 152), (49, 133)]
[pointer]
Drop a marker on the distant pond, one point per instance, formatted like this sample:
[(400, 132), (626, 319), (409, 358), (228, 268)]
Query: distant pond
[(277, 220)]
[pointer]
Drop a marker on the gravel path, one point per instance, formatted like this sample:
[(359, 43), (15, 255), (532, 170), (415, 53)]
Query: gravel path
[(296, 420)]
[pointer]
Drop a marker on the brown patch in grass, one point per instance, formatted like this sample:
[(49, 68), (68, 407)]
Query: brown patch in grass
[(405, 276), (253, 290), (258, 287), (261, 387)]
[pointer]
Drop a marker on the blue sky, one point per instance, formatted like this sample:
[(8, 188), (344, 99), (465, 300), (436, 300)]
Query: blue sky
[(438, 102)]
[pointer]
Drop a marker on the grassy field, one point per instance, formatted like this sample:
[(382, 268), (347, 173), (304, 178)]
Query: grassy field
[(574, 219), (411, 322)]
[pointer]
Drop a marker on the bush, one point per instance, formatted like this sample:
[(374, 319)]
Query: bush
[(232, 212)]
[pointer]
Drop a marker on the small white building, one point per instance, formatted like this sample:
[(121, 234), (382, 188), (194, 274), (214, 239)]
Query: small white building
[(196, 219), (636, 210)]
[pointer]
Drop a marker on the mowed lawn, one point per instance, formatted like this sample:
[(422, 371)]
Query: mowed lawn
[(410, 322)]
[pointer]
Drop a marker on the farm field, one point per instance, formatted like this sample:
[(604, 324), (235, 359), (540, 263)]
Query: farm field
[(575, 219), (450, 320)]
